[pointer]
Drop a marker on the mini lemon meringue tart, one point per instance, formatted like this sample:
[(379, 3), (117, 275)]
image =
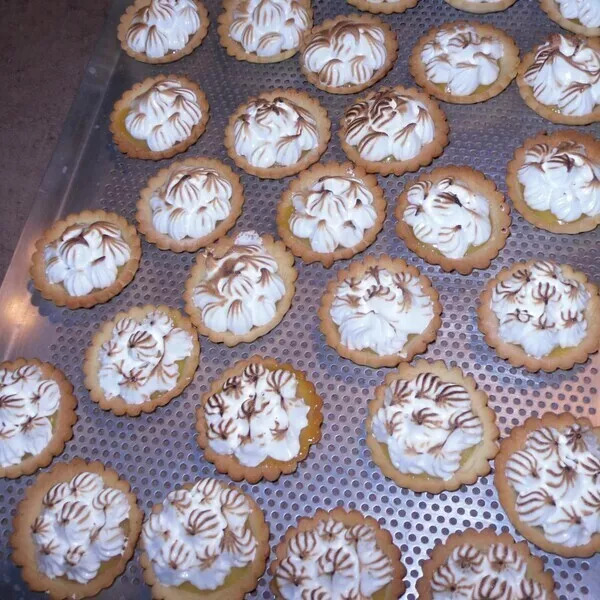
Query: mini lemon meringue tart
[(547, 476), (85, 259), (75, 530), (578, 16), (207, 540), (162, 31), (386, 7), (159, 117), (481, 6), (484, 564), (337, 555)]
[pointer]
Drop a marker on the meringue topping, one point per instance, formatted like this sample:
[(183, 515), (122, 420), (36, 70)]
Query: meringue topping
[(388, 125), (380, 310), (86, 257), (79, 528), (274, 132), (333, 561), (556, 479), (561, 178), (587, 12), (200, 535), (162, 26), (163, 115), (540, 309), (427, 424)]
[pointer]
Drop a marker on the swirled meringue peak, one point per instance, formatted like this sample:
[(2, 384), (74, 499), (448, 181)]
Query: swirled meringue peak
[(427, 424), (191, 203), (379, 310), (388, 125), (561, 178), (269, 27), (274, 132), (462, 59), (142, 357), (163, 115), (448, 215), (348, 53), (257, 415), (79, 528), (565, 74), (539, 308), (335, 211), (162, 26), (556, 480), (200, 535), (28, 402), (241, 289), (494, 572), (587, 12), (333, 561), (86, 257)]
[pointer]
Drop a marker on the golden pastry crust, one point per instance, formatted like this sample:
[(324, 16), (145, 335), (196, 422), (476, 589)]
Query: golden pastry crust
[(29, 508), (246, 583), (399, 167), (506, 494), (391, 47), (476, 258), (236, 50), (560, 358), (270, 469), (482, 540), (135, 148), (546, 219), (481, 8), (286, 270), (393, 590), (303, 100), (64, 419), (301, 247), (387, 8), (509, 63), (417, 344), (187, 244), (477, 461), (193, 42), (550, 7), (56, 291)]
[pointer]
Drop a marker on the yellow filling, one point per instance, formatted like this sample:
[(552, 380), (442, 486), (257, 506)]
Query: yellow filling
[(120, 123), (546, 216)]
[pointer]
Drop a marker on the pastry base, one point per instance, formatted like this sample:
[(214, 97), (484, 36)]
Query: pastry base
[(187, 244), (62, 421), (475, 461), (478, 257), (509, 63), (393, 590), (56, 291), (236, 50), (398, 167), (553, 11), (301, 246), (416, 344), (29, 508), (386, 8), (483, 540), (507, 495), (117, 404), (135, 148), (391, 47), (277, 172), (270, 468), (286, 270), (193, 42), (546, 219), (480, 7), (559, 358), (236, 586)]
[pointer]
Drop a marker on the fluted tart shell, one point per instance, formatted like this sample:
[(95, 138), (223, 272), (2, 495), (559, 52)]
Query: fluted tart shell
[(481, 8), (387, 8)]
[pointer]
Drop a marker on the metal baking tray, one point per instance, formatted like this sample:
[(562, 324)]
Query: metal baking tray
[(158, 451)]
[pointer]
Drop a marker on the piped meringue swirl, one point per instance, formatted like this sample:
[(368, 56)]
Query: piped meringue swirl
[(86, 257), (200, 535), (540, 308), (556, 479), (587, 12), (79, 528)]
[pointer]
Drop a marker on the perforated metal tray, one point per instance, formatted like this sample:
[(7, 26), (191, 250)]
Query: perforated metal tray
[(156, 452)]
